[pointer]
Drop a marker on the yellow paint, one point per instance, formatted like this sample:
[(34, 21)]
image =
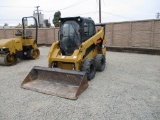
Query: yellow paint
[(67, 62)]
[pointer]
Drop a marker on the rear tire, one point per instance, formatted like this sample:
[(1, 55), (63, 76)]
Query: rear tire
[(100, 62), (35, 53), (90, 67)]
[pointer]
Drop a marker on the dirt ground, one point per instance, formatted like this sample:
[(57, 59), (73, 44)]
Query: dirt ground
[(128, 89)]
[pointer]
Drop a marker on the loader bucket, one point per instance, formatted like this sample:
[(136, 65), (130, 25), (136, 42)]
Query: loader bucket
[(54, 81)]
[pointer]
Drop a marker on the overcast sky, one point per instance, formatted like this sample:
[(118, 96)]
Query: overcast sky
[(11, 11)]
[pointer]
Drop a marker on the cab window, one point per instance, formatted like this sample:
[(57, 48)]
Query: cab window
[(89, 30)]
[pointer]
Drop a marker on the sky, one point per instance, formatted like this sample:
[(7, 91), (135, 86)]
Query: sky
[(12, 11)]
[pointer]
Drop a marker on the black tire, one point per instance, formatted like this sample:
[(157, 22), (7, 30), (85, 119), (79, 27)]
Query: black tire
[(54, 65), (90, 67), (100, 62)]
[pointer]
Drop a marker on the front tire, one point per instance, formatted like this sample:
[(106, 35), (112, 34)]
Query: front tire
[(90, 67)]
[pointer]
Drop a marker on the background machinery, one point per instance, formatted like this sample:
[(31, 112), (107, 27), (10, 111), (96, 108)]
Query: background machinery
[(72, 61), (23, 46)]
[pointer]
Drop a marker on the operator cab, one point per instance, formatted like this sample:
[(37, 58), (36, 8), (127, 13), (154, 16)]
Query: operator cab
[(74, 31)]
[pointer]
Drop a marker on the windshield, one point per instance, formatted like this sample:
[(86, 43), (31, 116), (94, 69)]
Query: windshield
[(69, 37)]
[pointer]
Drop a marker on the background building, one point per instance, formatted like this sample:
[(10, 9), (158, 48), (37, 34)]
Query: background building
[(41, 18)]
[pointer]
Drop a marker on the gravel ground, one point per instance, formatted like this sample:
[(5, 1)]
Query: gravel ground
[(128, 89)]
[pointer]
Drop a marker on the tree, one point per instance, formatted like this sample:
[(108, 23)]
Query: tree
[(55, 21), (31, 26), (5, 24), (47, 23), (19, 25)]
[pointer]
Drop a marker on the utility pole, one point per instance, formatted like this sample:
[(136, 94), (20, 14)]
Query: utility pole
[(38, 15), (99, 11)]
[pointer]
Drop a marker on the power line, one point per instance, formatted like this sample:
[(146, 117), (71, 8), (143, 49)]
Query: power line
[(16, 6), (73, 15), (73, 5), (117, 15), (88, 13), (10, 19)]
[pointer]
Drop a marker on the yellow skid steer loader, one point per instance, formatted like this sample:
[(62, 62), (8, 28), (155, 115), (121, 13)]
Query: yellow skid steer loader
[(23, 46), (72, 61)]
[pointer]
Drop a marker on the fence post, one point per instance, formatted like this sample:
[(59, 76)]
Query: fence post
[(4, 31), (112, 42), (130, 36), (46, 36), (152, 34)]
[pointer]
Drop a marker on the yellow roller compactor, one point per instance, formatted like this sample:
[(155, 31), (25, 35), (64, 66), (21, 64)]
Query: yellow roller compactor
[(72, 61), (23, 46)]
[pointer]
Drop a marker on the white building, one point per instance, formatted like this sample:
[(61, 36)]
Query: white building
[(41, 19)]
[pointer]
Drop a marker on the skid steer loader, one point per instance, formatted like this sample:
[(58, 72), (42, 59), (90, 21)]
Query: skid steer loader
[(72, 61), (23, 46)]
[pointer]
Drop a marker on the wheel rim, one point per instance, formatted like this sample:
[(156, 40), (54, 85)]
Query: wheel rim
[(10, 59), (35, 53)]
